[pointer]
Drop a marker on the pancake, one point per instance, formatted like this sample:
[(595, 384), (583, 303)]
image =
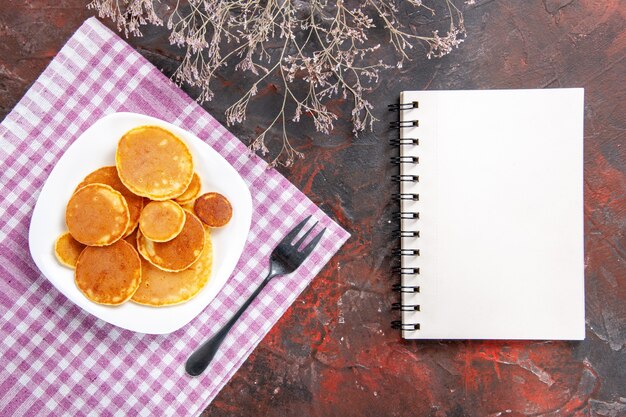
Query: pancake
[(213, 209), (160, 288), (188, 206), (67, 250), (152, 162), (179, 253), (191, 192), (108, 176), (97, 215), (162, 221), (109, 275)]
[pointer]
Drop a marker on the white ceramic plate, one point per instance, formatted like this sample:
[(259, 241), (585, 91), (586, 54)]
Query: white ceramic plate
[(96, 148)]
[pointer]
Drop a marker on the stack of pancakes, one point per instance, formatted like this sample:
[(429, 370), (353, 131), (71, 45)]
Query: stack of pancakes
[(138, 230)]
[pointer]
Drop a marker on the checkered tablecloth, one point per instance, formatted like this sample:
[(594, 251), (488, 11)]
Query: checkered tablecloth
[(56, 359)]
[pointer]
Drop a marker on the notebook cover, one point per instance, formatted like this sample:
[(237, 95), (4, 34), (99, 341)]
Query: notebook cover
[(500, 214)]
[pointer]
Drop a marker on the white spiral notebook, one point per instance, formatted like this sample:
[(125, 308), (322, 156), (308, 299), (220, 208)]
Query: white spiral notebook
[(491, 192)]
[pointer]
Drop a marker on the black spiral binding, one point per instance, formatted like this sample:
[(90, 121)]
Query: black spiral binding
[(405, 307), (407, 215), (406, 196), (403, 106), (406, 271), (405, 160), (397, 324), (404, 123), (406, 288), (404, 141), (405, 178), (406, 252), (405, 233), (399, 233)]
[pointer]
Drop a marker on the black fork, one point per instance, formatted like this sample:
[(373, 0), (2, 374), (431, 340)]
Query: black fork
[(285, 259)]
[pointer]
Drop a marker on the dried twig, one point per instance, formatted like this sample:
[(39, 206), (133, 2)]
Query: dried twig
[(324, 51)]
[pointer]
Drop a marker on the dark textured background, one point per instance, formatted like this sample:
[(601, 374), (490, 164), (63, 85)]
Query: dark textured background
[(333, 353)]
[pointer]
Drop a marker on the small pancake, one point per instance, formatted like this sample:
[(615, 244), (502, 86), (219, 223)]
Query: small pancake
[(160, 288), (188, 206), (162, 221), (67, 250), (152, 162), (213, 209), (191, 192), (97, 215), (109, 275), (108, 176), (180, 252)]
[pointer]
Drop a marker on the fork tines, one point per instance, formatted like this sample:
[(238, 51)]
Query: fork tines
[(296, 230)]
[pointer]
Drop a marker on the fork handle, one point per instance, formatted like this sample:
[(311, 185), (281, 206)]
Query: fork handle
[(200, 359)]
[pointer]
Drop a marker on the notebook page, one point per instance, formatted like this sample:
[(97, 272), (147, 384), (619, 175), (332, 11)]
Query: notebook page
[(501, 214)]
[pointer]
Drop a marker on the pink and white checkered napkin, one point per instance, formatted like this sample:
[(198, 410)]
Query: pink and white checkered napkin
[(56, 359)]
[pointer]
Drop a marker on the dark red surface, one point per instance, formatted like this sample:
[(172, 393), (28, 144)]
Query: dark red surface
[(333, 353)]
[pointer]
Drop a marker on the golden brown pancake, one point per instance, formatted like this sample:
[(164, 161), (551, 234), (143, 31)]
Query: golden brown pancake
[(97, 215), (161, 288), (67, 250), (180, 252), (213, 209), (109, 275), (191, 192), (162, 221), (188, 206), (108, 176), (152, 162)]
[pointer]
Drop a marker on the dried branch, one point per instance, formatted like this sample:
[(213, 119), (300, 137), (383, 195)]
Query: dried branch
[(129, 15), (324, 51)]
